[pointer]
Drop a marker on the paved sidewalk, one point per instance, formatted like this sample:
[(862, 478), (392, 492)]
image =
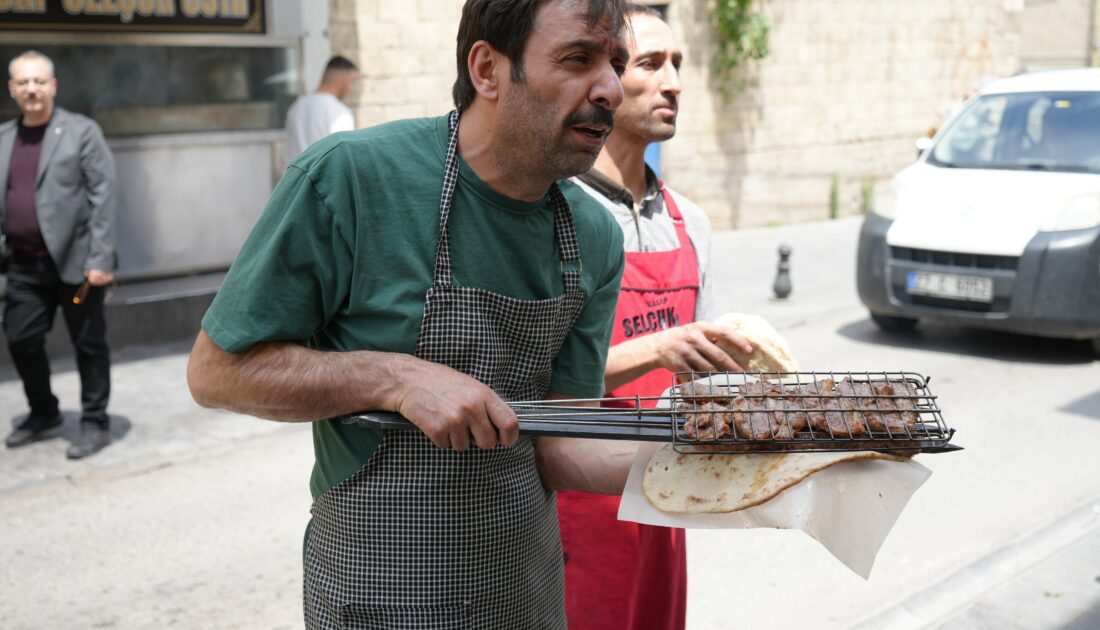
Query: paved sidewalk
[(1048, 579), (153, 420), (1061, 591)]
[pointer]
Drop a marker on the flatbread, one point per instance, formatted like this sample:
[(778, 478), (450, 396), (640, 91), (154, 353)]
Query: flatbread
[(770, 352), (686, 483)]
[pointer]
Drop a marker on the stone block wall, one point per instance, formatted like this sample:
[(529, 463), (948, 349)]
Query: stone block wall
[(405, 50), (1056, 33), (847, 89)]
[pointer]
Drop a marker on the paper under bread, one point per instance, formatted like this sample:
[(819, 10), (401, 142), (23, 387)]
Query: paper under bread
[(687, 483)]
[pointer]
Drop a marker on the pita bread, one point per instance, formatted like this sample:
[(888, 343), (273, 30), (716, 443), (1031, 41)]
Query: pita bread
[(683, 483), (770, 352)]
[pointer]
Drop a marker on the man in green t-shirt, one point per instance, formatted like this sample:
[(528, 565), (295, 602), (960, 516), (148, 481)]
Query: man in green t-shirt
[(438, 268)]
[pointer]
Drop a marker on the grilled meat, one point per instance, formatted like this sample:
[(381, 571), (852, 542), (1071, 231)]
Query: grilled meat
[(827, 415), (759, 413), (695, 392), (765, 411), (709, 421), (707, 410), (892, 415)]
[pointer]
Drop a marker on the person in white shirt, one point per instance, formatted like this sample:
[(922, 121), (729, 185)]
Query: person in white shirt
[(314, 116)]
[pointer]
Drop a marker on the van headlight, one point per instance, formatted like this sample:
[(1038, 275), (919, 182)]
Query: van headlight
[(884, 203), (1077, 213)]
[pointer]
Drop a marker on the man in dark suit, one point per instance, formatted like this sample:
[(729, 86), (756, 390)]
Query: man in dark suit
[(57, 214)]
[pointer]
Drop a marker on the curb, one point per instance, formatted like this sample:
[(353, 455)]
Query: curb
[(955, 593)]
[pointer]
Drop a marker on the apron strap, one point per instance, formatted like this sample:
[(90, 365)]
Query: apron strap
[(677, 220), (443, 272), (565, 230), (670, 203)]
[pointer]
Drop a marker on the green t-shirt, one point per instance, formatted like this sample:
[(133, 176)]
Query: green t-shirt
[(343, 255)]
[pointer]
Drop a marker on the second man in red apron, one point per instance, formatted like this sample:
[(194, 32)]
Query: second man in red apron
[(624, 575)]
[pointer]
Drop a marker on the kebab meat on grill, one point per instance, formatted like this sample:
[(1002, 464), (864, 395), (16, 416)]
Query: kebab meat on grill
[(762, 410)]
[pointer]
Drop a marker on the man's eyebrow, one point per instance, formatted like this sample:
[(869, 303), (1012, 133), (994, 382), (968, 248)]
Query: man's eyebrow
[(658, 52), (589, 44)]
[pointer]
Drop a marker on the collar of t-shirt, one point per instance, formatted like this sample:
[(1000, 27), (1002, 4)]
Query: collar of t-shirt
[(31, 135), (652, 203)]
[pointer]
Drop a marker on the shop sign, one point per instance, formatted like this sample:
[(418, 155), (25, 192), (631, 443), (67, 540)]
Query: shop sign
[(191, 16)]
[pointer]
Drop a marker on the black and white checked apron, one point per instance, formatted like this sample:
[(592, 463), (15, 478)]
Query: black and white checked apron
[(430, 538)]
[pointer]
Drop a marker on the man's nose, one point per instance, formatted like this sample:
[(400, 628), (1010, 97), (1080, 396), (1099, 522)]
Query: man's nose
[(607, 89), (670, 79)]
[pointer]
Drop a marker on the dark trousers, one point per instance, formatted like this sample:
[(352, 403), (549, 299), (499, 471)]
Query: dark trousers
[(34, 292)]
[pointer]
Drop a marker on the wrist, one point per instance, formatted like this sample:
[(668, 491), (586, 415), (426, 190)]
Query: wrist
[(401, 370), (652, 350), (643, 354), (401, 376)]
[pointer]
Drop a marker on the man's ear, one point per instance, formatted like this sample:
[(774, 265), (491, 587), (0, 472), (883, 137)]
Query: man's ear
[(484, 65)]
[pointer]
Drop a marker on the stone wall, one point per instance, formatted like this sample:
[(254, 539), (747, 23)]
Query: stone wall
[(1055, 33), (405, 53), (847, 89)]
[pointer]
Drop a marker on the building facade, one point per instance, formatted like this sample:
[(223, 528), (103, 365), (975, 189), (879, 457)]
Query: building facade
[(192, 95), (848, 87)]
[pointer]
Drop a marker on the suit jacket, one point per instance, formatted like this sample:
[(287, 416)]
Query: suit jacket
[(74, 195)]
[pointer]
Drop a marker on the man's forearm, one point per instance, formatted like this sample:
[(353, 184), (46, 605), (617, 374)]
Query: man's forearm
[(627, 361), (691, 347), (289, 382), (599, 466), (286, 381)]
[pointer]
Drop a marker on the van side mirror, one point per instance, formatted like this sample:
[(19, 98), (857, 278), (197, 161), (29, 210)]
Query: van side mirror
[(923, 144)]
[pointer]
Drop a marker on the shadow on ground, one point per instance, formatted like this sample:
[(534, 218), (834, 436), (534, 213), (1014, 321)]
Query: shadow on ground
[(70, 429), (987, 344), (1089, 407)]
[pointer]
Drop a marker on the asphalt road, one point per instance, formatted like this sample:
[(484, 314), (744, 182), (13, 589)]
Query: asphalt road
[(194, 518)]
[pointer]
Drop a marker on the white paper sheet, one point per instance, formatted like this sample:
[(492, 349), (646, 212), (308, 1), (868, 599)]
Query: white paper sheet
[(848, 507)]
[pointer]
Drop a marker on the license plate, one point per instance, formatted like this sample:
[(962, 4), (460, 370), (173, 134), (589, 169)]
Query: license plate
[(947, 285)]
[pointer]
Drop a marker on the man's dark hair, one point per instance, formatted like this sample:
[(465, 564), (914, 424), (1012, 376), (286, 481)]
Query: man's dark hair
[(339, 64), (506, 25)]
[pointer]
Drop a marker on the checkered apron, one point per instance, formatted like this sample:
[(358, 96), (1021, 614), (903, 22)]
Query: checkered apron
[(430, 538)]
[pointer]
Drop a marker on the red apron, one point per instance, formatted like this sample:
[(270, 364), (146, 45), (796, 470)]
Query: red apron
[(620, 574)]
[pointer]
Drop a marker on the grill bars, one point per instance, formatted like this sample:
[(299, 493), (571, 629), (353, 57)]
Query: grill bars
[(768, 412)]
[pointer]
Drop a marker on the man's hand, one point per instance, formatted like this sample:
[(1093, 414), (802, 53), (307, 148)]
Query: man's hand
[(692, 347), (98, 278), (451, 407)]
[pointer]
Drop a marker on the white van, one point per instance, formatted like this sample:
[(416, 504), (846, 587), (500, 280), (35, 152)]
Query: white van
[(997, 224)]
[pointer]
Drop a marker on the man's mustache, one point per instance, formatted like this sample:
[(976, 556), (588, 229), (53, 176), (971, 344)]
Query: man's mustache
[(595, 116)]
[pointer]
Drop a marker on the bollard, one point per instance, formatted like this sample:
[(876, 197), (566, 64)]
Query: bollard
[(782, 286)]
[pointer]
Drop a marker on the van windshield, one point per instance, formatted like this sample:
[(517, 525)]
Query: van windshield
[(1048, 131)]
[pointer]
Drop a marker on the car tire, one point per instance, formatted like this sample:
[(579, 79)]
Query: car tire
[(890, 323)]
